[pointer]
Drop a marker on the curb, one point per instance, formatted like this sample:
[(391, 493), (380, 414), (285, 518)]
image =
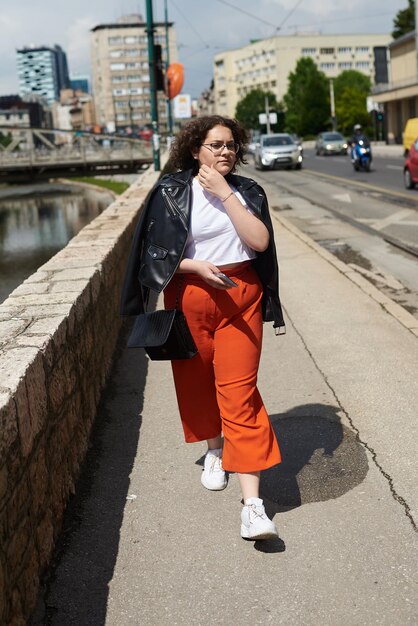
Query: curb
[(390, 306)]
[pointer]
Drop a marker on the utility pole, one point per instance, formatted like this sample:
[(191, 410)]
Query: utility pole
[(332, 101), (167, 48), (266, 102), (153, 91)]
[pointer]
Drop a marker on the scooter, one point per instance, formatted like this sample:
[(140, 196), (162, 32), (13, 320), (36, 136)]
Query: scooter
[(361, 155)]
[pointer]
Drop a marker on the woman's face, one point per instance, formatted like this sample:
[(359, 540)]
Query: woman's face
[(215, 153)]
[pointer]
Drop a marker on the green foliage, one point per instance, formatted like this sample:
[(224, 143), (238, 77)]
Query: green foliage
[(5, 139), (307, 99), (350, 109), (249, 108), (351, 78), (404, 21), (117, 187), (351, 89)]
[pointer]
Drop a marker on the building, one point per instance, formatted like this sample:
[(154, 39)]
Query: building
[(29, 111), (206, 102), (74, 111), (120, 73), (399, 96), (267, 63), (80, 82), (42, 71)]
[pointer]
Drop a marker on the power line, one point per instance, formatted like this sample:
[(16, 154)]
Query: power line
[(289, 14), (241, 10), (190, 24)]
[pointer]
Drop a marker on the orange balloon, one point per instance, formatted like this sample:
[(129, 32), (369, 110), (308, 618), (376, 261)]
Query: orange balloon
[(175, 79)]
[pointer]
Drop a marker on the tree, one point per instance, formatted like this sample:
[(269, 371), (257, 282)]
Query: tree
[(351, 89), (404, 21), (249, 108), (351, 78), (307, 99), (350, 109)]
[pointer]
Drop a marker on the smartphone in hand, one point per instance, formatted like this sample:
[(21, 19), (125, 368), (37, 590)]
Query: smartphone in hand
[(228, 281)]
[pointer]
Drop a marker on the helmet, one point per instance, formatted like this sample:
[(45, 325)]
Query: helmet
[(357, 127)]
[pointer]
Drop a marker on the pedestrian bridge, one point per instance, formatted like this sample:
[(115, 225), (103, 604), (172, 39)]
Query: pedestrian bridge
[(39, 154)]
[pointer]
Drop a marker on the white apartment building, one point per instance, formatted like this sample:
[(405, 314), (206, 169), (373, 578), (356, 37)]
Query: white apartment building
[(267, 63), (120, 72)]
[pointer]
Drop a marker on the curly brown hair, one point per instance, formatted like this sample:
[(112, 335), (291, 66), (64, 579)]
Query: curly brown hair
[(194, 134)]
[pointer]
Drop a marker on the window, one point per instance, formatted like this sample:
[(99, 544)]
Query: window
[(327, 50), (345, 65), (116, 53), (132, 66), (131, 39), (119, 78), (117, 66), (308, 52), (363, 65), (362, 49), (119, 92), (115, 41), (327, 66), (134, 78), (346, 50)]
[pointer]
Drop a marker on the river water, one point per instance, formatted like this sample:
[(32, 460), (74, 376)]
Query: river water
[(36, 221)]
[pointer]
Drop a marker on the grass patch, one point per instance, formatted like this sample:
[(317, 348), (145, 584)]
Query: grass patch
[(117, 187)]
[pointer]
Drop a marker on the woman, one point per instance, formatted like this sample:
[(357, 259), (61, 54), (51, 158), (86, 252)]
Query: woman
[(202, 228)]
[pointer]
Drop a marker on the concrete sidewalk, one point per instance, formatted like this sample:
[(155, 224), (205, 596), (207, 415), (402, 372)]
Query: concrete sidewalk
[(146, 545)]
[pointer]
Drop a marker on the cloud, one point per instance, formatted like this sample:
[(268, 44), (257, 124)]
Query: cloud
[(78, 44)]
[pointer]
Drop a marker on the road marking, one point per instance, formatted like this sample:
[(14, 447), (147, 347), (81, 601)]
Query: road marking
[(366, 186), (395, 167), (392, 219), (342, 197)]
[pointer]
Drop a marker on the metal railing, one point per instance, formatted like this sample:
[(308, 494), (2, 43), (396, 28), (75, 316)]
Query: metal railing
[(40, 151)]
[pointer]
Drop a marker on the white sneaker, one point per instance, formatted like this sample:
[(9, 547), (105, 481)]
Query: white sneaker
[(254, 522), (213, 476)]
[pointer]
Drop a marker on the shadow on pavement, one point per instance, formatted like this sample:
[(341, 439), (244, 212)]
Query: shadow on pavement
[(321, 459), (76, 588)]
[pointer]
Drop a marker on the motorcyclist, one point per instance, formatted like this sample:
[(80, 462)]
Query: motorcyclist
[(361, 154), (357, 135)]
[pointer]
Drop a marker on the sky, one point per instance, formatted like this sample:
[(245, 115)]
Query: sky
[(203, 27)]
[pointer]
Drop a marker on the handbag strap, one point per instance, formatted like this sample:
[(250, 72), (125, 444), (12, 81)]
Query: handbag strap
[(179, 286)]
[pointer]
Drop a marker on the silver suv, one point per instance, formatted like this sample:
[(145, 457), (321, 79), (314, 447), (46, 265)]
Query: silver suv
[(277, 150)]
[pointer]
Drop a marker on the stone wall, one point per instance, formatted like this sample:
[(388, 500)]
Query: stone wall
[(58, 332)]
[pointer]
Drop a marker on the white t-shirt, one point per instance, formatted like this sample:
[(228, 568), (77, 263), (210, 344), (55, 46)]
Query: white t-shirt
[(212, 236)]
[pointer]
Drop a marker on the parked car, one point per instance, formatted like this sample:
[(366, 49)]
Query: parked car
[(410, 170), (277, 150), (410, 134), (330, 143)]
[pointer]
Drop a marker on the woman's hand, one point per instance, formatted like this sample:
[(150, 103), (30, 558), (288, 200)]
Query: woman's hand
[(205, 269), (213, 181)]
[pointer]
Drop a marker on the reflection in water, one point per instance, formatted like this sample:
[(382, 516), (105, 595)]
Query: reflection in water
[(36, 226)]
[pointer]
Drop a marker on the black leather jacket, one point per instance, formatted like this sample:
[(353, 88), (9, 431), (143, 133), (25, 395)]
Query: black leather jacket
[(161, 235)]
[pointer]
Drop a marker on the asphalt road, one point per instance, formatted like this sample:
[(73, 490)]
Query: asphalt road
[(367, 220), (385, 173)]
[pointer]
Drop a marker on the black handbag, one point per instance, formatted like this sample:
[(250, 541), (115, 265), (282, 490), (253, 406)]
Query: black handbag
[(164, 334)]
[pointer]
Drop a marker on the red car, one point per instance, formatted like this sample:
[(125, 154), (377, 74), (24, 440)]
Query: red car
[(410, 169)]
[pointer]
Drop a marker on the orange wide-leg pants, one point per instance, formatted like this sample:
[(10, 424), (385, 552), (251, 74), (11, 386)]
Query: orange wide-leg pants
[(217, 389)]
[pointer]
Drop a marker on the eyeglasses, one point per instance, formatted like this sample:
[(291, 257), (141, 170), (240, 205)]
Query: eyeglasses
[(216, 147)]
